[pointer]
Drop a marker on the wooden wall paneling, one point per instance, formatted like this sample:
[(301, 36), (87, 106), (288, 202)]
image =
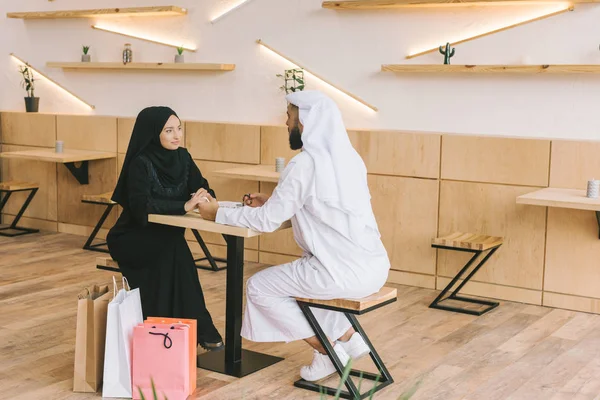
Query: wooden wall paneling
[(399, 153), (87, 132), (34, 223), (44, 204), (569, 302), (411, 279), (496, 160), (574, 163), (227, 190), (28, 129), (281, 242), (103, 178), (124, 130), (492, 210), (406, 210), (223, 142), (85, 230), (120, 161), (275, 142), (221, 251), (572, 253)]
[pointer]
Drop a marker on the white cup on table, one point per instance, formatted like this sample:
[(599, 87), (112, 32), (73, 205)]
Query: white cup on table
[(59, 146), (279, 164)]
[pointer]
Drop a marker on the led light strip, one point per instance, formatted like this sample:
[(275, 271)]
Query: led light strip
[(54, 82), (569, 7), (122, 33), (353, 97), (232, 9)]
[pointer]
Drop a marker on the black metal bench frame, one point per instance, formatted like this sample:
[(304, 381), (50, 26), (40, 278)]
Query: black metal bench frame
[(382, 379), (88, 244), (437, 303), (13, 226)]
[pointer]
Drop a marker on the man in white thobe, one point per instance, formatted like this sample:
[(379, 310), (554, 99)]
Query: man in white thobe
[(323, 190)]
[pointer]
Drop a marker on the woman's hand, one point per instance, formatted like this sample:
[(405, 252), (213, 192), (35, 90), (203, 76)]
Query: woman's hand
[(255, 199), (201, 196), (208, 210)]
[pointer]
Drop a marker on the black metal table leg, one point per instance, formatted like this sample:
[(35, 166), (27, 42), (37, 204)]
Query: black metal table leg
[(234, 360), (80, 173), (212, 261), (598, 220)]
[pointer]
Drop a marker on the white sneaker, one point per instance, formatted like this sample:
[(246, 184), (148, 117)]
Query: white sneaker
[(322, 366), (355, 347)]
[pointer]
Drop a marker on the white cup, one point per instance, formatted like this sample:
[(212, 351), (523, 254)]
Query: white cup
[(279, 164), (59, 146), (593, 189)]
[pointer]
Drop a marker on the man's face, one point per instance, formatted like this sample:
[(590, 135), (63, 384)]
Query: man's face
[(294, 126)]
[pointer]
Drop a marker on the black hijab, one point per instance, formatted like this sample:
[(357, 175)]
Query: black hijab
[(145, 139)]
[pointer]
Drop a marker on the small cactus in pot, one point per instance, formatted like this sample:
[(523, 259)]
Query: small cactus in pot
[(85, 57), (448, 53), (179, 56)]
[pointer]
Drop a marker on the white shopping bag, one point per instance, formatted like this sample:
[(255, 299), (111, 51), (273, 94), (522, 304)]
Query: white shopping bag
[(124, 313)]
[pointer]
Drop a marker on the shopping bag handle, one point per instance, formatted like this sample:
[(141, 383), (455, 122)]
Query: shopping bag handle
[(125, 286), (167, 342)]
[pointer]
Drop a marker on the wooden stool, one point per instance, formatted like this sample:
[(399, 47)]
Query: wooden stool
[(350, 308), (471, 243), (101, 199), (10, 188), (107, 264)]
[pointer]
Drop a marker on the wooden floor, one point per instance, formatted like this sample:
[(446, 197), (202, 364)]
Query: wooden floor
[(515, 352)]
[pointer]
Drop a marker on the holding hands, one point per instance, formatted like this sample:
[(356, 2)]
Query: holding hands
[(201, 196)]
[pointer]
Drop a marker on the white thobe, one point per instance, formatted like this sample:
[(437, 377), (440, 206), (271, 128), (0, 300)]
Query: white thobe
[(340, 260)]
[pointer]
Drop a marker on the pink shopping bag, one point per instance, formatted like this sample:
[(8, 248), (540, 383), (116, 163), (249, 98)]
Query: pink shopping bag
[(161, 354)]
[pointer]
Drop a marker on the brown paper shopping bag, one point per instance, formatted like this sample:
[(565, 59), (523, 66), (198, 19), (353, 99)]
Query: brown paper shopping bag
[(89, 340)]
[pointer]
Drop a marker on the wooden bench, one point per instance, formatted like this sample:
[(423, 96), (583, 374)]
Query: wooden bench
[(471, 243), (8, 188), (107, 264), (350, 308)]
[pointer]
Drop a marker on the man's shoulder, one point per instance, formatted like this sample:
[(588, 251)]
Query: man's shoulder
[(303, 159)]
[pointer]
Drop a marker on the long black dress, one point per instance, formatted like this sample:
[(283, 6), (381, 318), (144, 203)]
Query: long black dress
[(156, 258)]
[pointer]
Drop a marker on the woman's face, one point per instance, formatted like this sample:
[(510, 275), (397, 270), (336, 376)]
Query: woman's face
[(170, 137)]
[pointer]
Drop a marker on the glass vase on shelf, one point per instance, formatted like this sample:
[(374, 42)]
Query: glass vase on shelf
[(127, 53)]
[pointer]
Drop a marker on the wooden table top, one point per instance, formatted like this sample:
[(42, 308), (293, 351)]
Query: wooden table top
[(562, 198), (262, 173), (67, 156), (193, 220)]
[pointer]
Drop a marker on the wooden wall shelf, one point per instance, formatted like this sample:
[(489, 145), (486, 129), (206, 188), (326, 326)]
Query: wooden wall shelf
[(164, 11), (387, 4), (484, 69), (141, 66)]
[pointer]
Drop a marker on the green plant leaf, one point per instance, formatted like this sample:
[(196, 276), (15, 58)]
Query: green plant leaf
[(141, 393), (345, 375)]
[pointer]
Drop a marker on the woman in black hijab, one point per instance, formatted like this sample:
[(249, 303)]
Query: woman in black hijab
[(157, 178)]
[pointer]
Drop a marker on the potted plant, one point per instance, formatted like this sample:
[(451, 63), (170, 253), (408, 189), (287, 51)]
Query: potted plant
[(293, 80), (85, 57), (32, 103), (179, 55)]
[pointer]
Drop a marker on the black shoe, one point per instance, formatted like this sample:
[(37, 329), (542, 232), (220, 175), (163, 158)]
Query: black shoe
[(210, 346), (211, 341)]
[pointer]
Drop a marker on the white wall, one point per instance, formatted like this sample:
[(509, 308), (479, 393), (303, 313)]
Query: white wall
[(346, 47)]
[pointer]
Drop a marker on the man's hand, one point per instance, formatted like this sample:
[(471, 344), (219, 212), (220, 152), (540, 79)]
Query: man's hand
[(255, 199), (208, 210)]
